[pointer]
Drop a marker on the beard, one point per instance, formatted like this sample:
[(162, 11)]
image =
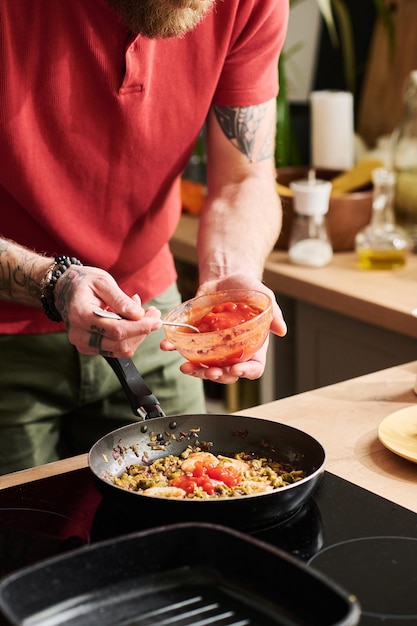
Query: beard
[(161, 18)]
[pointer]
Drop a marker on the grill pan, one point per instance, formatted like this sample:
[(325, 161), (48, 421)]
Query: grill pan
[(183, 575)]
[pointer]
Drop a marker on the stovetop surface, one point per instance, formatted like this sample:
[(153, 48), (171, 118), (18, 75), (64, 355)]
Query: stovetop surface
[(362, 541)]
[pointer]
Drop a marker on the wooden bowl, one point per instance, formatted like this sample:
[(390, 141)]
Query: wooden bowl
[(348, 213)]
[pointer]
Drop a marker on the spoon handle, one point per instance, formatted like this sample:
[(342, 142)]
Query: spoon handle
[(182, 324)]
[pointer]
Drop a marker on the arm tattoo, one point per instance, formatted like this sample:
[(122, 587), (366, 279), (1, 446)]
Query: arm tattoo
[(241, 125), (18, 279)]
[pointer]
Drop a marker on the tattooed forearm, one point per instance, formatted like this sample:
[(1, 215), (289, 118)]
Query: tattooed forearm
[(20, 273), (249, 129)]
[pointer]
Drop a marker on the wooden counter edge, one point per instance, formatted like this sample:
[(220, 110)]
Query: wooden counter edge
[(43, 471)]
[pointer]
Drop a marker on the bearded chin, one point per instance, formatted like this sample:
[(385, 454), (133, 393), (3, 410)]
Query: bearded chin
[(160, 18)]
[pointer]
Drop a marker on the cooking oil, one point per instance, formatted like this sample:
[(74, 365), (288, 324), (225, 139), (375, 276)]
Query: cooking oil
[(381, 259), (382, 245)]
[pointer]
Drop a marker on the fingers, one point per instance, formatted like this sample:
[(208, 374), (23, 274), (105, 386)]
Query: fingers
[(243, 281), (251, 370), (110, 337), (278, 325), (214, 374), (91, 288), (79, 291), (95, 342)]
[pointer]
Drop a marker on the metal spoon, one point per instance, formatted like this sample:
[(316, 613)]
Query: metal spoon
[(115, 316)]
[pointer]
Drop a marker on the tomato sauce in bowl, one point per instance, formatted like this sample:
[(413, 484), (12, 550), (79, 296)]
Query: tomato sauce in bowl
[(226, 315), (233, 325)]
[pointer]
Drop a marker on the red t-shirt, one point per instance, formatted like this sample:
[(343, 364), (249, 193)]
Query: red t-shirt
[(96, 127)]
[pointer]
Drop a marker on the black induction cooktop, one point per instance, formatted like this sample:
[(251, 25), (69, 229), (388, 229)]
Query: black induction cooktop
[(362, 541)]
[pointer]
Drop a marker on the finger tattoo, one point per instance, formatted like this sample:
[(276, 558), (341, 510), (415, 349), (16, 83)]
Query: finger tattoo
[(95, 341), (106, 353)]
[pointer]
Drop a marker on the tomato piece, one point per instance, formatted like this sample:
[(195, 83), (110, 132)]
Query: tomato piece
[(199, 469), (225, 306), (208, 477), (228, 475), (245, 308), (207, 484), (226, 315), (186, 482)]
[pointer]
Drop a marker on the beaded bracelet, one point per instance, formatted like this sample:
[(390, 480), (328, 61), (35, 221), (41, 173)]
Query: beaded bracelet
[(48, 282)]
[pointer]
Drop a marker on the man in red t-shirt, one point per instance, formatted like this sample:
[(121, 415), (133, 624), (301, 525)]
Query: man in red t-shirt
[(101, 103)]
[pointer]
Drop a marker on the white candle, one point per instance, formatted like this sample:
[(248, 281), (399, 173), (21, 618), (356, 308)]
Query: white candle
[(332, 129)]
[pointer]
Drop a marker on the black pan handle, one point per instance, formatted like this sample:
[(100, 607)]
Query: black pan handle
[(141, 398)]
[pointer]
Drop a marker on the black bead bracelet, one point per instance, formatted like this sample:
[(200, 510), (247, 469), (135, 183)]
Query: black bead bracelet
[(48, 282)]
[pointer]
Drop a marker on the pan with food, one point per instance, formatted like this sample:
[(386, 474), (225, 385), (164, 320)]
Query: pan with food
[(292, 459)]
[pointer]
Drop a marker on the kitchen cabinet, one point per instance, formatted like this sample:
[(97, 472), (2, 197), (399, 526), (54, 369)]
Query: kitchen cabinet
[(323, 348)]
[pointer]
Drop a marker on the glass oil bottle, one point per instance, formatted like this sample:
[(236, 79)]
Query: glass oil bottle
[(404, 162), (382, 245)]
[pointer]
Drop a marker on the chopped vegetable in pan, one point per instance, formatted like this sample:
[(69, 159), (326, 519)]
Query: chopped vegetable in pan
[(203, 475)]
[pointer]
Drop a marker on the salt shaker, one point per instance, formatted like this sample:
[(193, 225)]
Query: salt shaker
[(309, 242)]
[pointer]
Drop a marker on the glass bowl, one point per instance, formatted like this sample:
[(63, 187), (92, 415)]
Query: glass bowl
[(226, 346)]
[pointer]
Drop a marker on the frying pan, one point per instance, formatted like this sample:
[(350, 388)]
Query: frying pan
[(157, 436)]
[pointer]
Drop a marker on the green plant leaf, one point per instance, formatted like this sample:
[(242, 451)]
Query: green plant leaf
[(332, 10), (286, 149), (325, 7), (347, 43)]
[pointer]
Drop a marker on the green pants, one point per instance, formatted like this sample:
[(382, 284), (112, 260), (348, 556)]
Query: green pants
[(56, 402)]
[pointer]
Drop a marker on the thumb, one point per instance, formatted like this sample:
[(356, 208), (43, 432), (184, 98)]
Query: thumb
[(278, 326), (126, 307), (133, 308)]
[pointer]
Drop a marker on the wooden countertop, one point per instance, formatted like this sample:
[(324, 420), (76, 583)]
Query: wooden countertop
[(383, 298), (343, 417)]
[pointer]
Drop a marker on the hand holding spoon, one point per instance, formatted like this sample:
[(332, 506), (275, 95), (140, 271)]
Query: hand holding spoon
[(115, 316)]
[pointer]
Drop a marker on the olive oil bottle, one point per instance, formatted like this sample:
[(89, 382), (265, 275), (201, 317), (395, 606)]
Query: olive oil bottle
[(404, 162), (382, 245)]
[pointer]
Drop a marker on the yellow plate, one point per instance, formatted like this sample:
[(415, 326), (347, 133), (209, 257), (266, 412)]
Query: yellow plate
[(398, 433)]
